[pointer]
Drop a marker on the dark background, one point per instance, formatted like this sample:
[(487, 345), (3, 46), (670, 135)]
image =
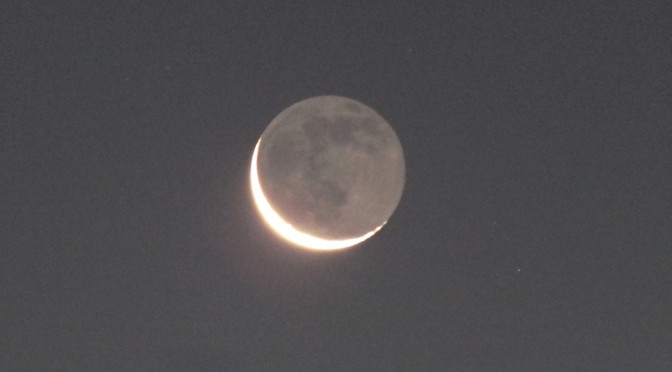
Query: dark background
[(534, 233)]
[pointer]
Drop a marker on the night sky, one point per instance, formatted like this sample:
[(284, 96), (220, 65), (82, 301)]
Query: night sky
[(534, 232)]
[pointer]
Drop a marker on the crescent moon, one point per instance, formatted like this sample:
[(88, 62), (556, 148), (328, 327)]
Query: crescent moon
[(327, 173), (286, 230)]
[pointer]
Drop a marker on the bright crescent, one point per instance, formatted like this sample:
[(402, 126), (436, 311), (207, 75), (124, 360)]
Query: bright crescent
[(286, 230)]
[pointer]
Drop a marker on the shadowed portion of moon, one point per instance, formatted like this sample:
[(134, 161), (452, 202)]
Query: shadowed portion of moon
[(331, 167)]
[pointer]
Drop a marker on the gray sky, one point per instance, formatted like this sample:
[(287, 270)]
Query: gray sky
[(533, 234)]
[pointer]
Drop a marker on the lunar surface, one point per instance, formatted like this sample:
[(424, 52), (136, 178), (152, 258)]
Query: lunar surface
[(327, 173)]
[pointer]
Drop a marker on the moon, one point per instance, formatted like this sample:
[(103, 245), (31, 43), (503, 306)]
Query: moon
[(327, 173)]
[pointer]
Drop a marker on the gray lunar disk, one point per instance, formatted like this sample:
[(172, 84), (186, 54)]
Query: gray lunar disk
[(328, 172)]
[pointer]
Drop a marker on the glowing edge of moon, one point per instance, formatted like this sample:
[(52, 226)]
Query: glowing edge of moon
[(286, 230)]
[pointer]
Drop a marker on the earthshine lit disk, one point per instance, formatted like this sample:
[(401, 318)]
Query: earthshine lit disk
[(327, 173)]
